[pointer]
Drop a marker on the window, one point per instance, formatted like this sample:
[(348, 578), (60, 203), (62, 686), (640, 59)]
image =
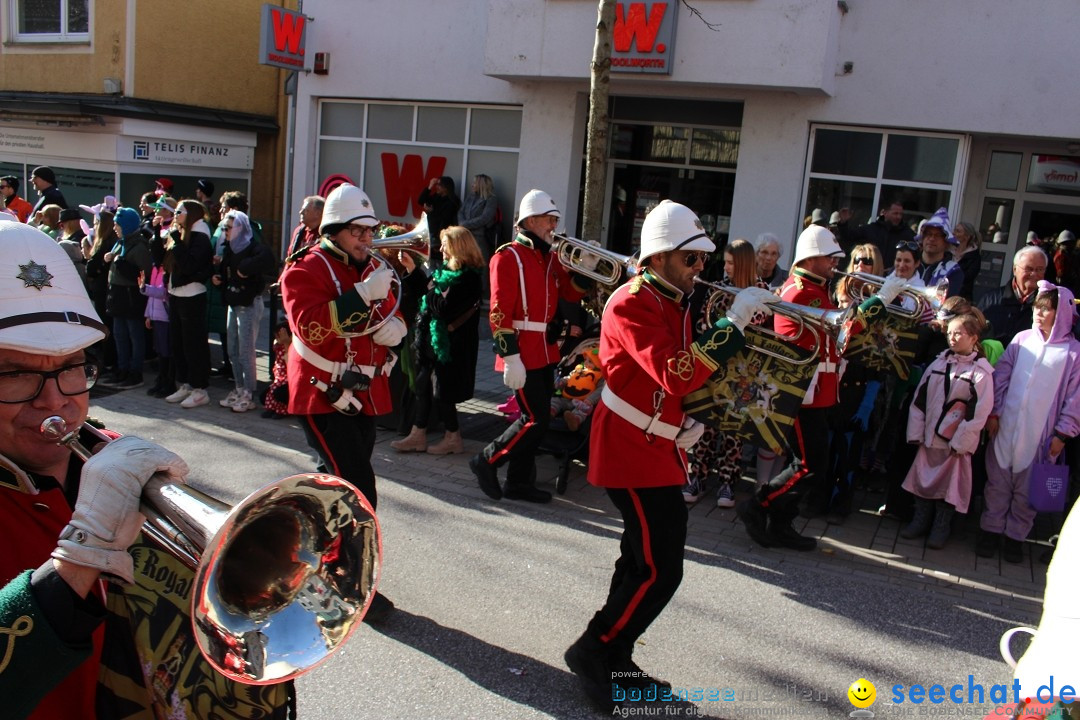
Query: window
[(51, 20)]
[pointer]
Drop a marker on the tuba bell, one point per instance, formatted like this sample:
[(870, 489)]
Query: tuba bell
[(602, 265), (281, 579), (417, 241)]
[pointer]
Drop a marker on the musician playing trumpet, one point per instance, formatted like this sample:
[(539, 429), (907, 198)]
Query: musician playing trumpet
[(67, 526), (767, 517)]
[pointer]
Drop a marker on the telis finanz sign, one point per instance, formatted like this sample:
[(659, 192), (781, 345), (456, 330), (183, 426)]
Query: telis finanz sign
[(282, 38), (644, 37)]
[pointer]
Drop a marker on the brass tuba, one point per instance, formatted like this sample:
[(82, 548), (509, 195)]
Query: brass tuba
[(417, 241), (602, 265), (924, 297), (281, 579), (834, 323)]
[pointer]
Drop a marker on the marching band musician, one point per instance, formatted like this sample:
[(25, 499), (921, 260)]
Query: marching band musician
[(527, 281), (338, 379), (768, 516), (70, 645), (639, 436)]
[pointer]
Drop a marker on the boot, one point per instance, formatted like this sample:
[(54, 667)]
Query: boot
[(415, 441), (755, 521), (590, 660), (622, 661), (451, 443), (920, 522), (987, 546), (782, 512), (942, 526)]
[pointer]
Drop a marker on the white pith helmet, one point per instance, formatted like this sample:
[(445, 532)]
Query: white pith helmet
[(348, 204), (537, 202), (671, 226), (816, 241)]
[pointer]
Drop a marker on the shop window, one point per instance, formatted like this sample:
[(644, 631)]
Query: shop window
[(921, 159), (342, 119), (390, 122), (81, 187), (650, 143), (715, 148), (51, 20), (1055, 174), (844, 152), (340, 157), (1004, 171), (495, 128), (440, 125), (835, 194)]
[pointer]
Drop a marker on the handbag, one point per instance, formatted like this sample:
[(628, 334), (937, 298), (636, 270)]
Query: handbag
[(1048, 486)]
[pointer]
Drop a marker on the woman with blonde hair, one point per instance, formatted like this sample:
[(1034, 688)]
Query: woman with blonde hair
[(447, 338), (864, 259)]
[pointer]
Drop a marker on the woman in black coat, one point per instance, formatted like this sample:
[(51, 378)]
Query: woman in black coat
[(441, 203), (447, 338)]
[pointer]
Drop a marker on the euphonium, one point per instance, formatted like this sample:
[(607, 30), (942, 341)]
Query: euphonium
[(607, 266), (417, 241), (923, 297), (281, 579), (832, 322)]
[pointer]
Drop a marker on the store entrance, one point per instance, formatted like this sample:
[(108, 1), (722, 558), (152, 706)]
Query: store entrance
[(1047, 220)]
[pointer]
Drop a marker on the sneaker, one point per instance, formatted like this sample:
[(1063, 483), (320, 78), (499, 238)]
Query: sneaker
[(131, 380), (244, 403), (231, 398), (195, 398), (725, 497), (181, 394)]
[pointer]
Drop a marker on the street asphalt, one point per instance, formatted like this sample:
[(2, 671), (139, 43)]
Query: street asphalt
[(490, 594)]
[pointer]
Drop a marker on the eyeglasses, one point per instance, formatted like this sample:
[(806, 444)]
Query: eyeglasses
[(359, 231), (863, 261), (909, 245), (19, 386), (691, 258)]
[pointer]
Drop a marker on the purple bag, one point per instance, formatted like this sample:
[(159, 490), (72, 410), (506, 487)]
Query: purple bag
[(1048, 486)]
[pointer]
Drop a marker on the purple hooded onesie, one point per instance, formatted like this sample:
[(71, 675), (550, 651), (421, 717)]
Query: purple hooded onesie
[(1035, 397)]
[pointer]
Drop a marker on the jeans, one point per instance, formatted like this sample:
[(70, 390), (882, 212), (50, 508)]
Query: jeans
[(130, 337), (243, 332)]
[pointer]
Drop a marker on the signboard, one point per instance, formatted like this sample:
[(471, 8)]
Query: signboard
[(282, 38), (194, 154), (644, 37), (1053, 173)]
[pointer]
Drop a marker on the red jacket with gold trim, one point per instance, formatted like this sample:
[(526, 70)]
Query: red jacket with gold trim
[(528, 262), (320, 315), (648, 355)]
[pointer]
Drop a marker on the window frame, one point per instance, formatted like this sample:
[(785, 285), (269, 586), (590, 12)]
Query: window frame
[(63, 37)]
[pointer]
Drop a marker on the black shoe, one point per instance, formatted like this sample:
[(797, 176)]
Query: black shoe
[(781, 533), (528, 493), (267, 414), (589, 660), (112, 379), (623, 662), (1012, 550), (153, 390), (486, 476), (164, 392), (379, 610), (987, 546), (133, 380), (754, 520)]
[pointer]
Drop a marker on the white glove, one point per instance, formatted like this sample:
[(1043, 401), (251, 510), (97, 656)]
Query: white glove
[(106, 519), (376, 286), (690, 434), (513, 372), (749, 302), (891, 288), (391, 333), (589, 261)]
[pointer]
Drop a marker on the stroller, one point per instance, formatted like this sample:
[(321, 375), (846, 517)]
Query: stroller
[(560, 441)]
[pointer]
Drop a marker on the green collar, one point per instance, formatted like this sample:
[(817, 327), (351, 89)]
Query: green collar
[(809, 276), (333, 250), (523, 239), (662, 286)]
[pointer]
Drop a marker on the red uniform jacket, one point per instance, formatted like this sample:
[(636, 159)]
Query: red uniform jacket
[(319, 316), (527, 265), (646, 346)]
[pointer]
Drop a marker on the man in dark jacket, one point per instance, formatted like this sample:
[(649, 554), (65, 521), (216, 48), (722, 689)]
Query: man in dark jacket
[(1008, 309), (44, 181), (886, 232)]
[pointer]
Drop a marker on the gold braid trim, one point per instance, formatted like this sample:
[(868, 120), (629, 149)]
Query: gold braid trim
[(20, 628), (682, 365), (635, 284), (704, 359)]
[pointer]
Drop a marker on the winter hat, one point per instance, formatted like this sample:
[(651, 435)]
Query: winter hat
[(44, 173), (127, 220), (164, 186), (940, 219), (206, 186)]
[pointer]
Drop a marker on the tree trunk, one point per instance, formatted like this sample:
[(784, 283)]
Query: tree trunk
[(597, 138)]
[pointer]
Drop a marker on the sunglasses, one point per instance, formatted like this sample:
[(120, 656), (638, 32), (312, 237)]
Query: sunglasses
[(863, 261), (908, 245), (691, 258)]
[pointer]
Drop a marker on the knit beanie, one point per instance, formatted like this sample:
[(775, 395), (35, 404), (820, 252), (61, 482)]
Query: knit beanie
[(127, 220)]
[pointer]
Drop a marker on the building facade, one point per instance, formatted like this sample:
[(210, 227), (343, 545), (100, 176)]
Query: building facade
[(113, 94), (761, 111)]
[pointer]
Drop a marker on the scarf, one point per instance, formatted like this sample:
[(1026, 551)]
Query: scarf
[(442, 280)]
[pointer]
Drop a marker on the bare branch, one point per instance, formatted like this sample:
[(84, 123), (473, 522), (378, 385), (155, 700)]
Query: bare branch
[(715, 27)]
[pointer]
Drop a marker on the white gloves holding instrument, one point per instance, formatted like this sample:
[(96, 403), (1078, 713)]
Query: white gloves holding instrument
[(892, 287), (106, 519), (391, 333), (513, 372), (749, 302), (691, 432), (376, 286)]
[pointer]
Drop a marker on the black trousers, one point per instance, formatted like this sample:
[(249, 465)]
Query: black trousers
[(650, 566), (425, 396), (188, 336), (344, 444), (517, 445), (809, 468)]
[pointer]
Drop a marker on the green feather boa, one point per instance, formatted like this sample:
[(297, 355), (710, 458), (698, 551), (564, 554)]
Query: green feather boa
[(442, 280)]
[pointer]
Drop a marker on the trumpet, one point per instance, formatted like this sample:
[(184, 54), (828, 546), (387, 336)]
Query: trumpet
[(834, 323), (282, 579), (924, 297), (577, 255)]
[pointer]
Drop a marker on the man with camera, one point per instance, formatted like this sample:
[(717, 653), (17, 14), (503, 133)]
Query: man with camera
[(333, 293)]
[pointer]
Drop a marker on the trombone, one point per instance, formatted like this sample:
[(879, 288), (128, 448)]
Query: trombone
[(834, 323), (924, 297), (282, 579), (575, 254)]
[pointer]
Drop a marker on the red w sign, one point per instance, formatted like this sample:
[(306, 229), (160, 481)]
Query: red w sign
[(405, 181), (643, 37), (282, 37)]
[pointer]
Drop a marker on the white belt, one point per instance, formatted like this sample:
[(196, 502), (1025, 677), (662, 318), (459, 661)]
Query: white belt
[(629, 413), (336, 368), (529, 325), (826, 366)]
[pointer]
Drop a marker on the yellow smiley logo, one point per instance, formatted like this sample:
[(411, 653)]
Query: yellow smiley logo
[(862, 693)]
